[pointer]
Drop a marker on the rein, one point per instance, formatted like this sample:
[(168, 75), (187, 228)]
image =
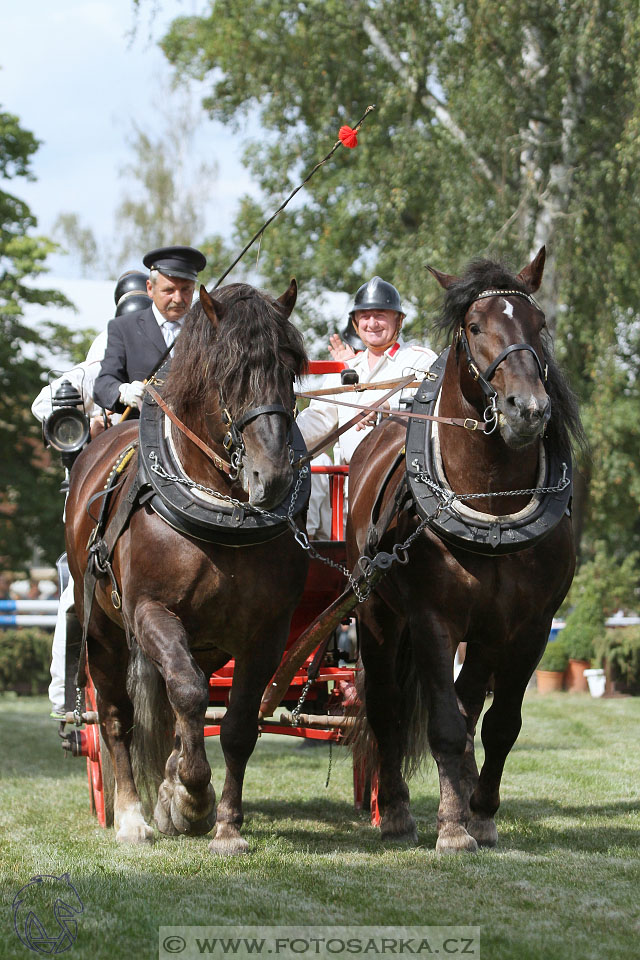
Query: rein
[(467, 422), (217, 460)]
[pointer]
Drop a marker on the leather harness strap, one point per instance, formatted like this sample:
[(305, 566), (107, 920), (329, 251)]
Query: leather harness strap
[(467, 422), (331, 438), (355, 388), (216, 459)]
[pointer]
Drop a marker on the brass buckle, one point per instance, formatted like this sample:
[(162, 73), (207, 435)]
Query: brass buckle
[(473, 370), (470, 424), (227, 443)]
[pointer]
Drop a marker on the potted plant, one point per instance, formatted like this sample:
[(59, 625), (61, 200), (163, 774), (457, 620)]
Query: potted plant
[(550, 670), (578, 639), (618, 653)]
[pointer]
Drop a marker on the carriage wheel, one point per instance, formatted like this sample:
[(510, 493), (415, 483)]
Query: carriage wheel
[(99, 766)]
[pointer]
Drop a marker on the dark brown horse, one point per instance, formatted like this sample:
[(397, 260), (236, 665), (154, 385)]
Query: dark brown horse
[(501, 603), (188, 604)]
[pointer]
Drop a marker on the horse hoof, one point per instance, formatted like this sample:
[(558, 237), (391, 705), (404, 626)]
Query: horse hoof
[(409, 839), (133, 828), (191, 828), (455, 840), (162, 812), (229, 846), (399, 828), (483, 830), (193, 816)]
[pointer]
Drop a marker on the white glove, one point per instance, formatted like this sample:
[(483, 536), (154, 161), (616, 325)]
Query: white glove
[(131, 393)]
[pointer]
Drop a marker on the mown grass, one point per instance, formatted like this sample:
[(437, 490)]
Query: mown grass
[(563, 883)]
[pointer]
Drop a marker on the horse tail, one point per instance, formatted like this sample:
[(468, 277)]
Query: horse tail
[(413, 717), (153, 726)]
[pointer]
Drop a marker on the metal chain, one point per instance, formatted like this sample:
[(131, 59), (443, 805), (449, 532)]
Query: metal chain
[(424, 478), (367, 566)]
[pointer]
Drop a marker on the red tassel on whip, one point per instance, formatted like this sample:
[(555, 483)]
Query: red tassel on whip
[(348, 137)]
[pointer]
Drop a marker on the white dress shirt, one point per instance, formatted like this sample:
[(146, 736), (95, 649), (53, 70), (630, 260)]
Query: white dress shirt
[(168, 328), (320, 417)]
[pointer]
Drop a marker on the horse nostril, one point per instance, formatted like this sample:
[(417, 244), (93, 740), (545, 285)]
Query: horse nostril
[(528, 410), (516, 405)]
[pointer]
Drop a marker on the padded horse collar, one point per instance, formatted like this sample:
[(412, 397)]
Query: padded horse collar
[(196, 513), (461, 526)]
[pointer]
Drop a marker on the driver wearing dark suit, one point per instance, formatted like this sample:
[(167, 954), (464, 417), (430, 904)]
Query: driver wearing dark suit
[(136, 342)]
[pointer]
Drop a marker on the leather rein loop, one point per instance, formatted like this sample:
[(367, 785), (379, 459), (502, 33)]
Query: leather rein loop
[(215, 458)]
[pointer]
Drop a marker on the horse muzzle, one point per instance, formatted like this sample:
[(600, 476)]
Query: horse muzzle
[(522, 419)]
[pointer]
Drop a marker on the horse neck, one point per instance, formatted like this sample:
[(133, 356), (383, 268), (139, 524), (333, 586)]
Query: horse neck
[(474, 462)]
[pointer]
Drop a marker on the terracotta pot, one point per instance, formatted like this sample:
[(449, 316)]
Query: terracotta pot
[(548, 681), (574, 678)]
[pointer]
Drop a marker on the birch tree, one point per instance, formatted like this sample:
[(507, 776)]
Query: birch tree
[(499, 125)]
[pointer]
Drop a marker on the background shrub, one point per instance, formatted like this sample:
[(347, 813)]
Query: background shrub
[(25, 658)]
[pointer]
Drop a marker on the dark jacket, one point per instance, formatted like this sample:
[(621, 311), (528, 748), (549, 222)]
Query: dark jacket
[(134, 346)]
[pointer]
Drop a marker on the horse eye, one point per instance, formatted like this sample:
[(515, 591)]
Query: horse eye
[(474, 328)]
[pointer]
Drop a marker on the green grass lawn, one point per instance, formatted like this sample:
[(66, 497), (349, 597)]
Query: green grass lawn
[(564, 881)]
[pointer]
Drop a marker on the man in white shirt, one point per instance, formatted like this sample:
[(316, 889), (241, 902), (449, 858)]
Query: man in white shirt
[(377, 317), (136, 342)]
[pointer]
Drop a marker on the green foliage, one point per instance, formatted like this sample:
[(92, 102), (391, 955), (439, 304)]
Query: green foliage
[(499, 125), (73, 345), (555, 656), (25, 658), (165, 188), (29, 498), (618, 649), (78, 241), (601, 587)]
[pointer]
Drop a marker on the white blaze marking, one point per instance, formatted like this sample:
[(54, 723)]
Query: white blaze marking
[(508, 309)]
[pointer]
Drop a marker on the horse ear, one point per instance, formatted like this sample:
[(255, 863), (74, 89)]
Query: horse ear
[(213, 308), (289, 297), (445, 280), (531, 276)]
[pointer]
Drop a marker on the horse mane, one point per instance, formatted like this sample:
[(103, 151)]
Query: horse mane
[(565, 432), (254, 351)]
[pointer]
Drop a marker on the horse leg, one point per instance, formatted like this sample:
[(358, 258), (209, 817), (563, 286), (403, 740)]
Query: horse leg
[(186, 799), (471, 690), (238, 736), (500, 728), (446, 730), (108, 665), (383, 701)]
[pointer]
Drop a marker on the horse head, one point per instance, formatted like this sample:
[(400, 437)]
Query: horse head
[(497, 330), (239, 358)]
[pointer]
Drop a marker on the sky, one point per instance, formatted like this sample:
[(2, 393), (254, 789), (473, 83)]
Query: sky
[(78, 73)]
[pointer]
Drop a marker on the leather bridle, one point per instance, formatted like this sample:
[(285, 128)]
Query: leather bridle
[(233, 441), (484, 378)]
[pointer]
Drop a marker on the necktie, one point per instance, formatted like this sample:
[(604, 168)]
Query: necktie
[(170, 330)]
